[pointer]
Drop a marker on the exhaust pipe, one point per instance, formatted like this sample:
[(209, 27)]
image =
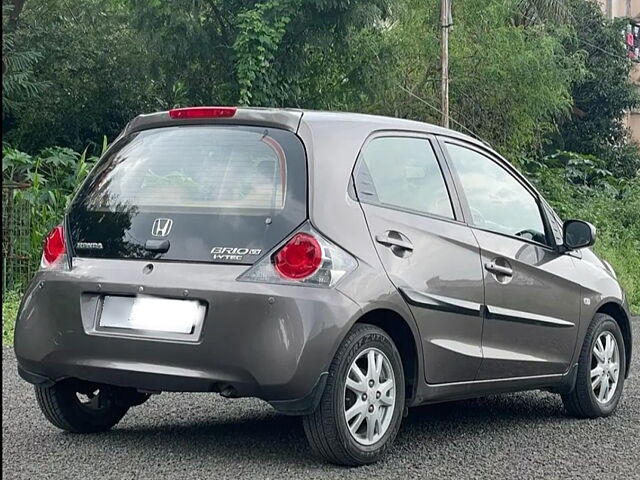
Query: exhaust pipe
[(229, 392)]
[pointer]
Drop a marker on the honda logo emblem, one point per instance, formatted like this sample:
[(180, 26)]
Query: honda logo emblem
[(161, 227)]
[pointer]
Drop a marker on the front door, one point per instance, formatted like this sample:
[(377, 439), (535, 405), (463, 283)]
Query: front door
[(429, 255), (532, 309)]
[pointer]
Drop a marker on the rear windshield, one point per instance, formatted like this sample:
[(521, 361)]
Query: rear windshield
[(186, 169), (222, 189)]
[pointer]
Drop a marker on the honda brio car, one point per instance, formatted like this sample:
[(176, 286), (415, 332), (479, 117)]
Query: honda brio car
[(341, 267)]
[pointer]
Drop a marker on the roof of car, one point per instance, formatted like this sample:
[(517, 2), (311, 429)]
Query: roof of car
[(290, 118), (381, 121)]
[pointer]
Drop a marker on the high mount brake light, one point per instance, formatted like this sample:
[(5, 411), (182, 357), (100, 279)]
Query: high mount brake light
[(299, 258), (53, 247), (203, 112)]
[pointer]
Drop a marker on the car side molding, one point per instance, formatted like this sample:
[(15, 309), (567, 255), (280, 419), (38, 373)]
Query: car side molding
[(440, 302), (507, 314), (455, 305)]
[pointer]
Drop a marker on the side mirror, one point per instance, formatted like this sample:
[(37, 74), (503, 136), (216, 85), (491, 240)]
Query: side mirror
[(578, 234)]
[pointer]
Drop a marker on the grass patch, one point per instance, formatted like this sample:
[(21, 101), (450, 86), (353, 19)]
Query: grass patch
[(10, 304)]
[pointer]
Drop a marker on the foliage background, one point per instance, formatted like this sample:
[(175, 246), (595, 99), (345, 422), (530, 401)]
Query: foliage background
[(546, 82)]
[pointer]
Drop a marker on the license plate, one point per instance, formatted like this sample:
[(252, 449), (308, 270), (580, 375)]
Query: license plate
[(151, 314)]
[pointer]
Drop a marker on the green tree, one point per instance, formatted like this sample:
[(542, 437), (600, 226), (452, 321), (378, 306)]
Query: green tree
[(509, 84), (95, 68), (602, 96), (534, 12), (517, 66), (265, 53), (18, 79)]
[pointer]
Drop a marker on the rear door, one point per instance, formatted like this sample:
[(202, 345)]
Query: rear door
[(428, 253), (199, 193), (532, 308)]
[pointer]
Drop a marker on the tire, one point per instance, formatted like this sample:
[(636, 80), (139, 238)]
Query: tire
[(62, 406), (327, 428), (583, 401)]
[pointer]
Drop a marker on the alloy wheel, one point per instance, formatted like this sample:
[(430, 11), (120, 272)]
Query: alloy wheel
[(605, 367), (369, 396)]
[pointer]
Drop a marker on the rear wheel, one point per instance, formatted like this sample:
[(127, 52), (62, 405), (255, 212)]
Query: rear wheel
[(81, 407), (601, 371), (361, 408)]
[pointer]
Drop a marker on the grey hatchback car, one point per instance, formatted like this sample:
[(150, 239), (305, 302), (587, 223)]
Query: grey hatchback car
[(341, 267)]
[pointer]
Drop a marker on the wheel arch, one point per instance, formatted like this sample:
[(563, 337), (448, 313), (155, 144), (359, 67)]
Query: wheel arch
[(618, 313), (404, 337)]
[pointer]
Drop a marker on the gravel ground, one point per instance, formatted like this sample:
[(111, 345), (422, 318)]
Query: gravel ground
[(204, 436)]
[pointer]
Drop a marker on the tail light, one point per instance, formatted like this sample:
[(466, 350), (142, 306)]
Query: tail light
[(299, 258), (306, 258), (53, 250)]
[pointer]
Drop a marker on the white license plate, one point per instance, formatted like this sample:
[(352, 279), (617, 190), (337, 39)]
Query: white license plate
[(152, 314)]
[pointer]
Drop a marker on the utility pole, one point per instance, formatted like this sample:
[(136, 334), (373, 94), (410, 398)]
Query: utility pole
[(445, 23)]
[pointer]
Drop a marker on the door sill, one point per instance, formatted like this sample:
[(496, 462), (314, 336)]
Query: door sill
[(444, 392), (494, 380)]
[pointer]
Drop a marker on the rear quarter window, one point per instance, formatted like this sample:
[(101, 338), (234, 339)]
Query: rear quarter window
[(403, 173)]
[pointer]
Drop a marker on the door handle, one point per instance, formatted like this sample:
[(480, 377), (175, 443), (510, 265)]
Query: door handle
[(498, 269), (159, 246), (389, 241)]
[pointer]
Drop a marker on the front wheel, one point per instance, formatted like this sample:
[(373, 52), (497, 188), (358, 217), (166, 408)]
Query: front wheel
[(362, 405), (601, 371)]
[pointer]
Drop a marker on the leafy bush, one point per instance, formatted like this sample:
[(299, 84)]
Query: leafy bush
[(53, 176)]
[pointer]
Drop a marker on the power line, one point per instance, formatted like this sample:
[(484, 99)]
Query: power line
[(422, 100), (600, 48), (438, 110), (570, 14)]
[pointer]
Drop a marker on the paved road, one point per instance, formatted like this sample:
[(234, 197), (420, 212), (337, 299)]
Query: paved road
[(204, 436)]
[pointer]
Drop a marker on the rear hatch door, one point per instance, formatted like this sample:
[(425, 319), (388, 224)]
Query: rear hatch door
[(201, 193)]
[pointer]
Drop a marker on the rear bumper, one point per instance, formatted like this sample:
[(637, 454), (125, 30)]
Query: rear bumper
[(273, 342)]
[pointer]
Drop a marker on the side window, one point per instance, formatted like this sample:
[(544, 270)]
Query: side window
[(497, 200), (403, 172)]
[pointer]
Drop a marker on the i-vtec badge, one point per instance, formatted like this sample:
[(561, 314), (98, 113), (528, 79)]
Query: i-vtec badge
[(233, 253)]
